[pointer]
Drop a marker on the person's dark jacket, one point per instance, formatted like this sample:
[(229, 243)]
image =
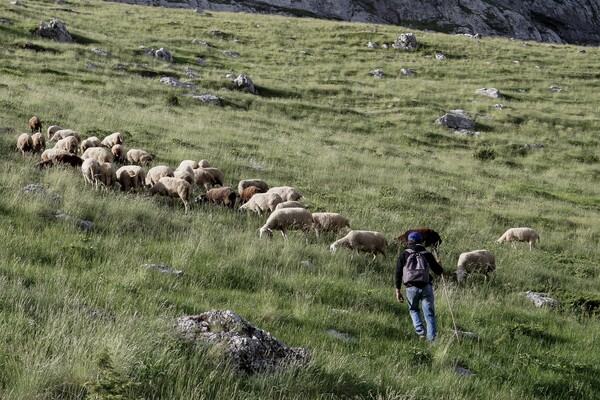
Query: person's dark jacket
[(433, 266)]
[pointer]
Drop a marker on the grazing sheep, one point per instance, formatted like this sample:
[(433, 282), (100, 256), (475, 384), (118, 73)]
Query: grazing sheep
[(112, 139), (287, 193), (69, 143), (223, 195), (61, 157), (63, 133), (137, 156), (329, 222), (91, 172), (217, 174), (290, 204), (514, 235), (186, 173), (118, 151), (287, 218), (155, 173), (188, 163), (108, 175), (39, 142), (101, 154), (248, 192), (259, 183), (24, 143), (173, 187), (204, 178), (365, 241), (35, 124), (430, 237), (92, 141), (481, 261), (203, 164), (262, 202), (52, 129), (130, 177), (51, 153)]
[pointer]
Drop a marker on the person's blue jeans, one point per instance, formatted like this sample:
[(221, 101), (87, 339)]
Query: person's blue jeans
[(414, 295)]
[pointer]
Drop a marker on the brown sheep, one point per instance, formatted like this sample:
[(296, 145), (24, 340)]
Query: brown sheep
[(186, 173), (430, 237), (248, 192), (118, 151), (173, 187), (217, 174), (35, 124), (65, 158), (131, 177), (204, 178), (24, 143), (259, 183), (223, 195)]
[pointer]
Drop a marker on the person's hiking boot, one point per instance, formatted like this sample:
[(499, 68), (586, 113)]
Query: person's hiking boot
[(422, 337)]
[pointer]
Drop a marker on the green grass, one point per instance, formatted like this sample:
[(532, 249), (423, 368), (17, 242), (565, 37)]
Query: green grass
[(81, 318)]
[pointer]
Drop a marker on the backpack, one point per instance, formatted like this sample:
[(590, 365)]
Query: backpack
[(416, 268)]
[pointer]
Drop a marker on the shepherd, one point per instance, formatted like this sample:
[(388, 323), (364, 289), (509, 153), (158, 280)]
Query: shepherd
[(412, 270)]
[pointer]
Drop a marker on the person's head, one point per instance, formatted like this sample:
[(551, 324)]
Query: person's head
[(415, 238)]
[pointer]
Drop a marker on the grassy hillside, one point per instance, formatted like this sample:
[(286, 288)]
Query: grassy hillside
[(81, 318)]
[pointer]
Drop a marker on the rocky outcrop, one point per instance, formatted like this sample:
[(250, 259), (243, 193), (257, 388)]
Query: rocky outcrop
[(556, 21)]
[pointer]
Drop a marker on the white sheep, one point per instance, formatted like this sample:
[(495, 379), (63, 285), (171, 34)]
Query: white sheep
[(186, 173), (365, 241), (24, 143), (92, 141), (514, 235), (108, 175), (329, 222), (290, 204), (137, 156), (287, 218), (39, 142), (259, 183), (69, 143), (219, 177), (188, 163), (52, 129), (481, 261), (262, 202), (101, 154), (155, 173), (204, 178), (173, 187), (203, 164), (91, 172), (112, 139), (63, 133), (287, 193), (49, 154), (131, 177)]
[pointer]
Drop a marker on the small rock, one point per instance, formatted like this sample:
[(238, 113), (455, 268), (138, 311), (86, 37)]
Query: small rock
[(17, 3), (406, 41), (216, 33), (499, 106), (164, 54), (534, 146), (489, 92), (79, 223), (372, 45), (555, 89), (236, 41), (231, 54), (385, 46), (516, 62), (201, 61), (201, 43), (407, 71), (190, 73), (306, 264), (440, 56), (60, 2), (34, 189), (90, 66), (456, 121), (55, 30), (230, 76), (466, 132), (207, 98), (100, 52), (581, 52), (468, 335), (377, 73), (541, 299), (163, 269), (484, 117), (463, 371), (245, 84), (167, 80), (344, 337), (5, 22)]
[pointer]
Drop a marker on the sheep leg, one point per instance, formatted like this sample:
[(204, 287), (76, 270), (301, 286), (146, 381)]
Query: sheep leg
[(186, 205), (284, 234)]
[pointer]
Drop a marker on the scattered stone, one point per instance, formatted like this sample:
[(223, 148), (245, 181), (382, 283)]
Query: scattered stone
[(190, 73), (461, 371), (484, 117), (231, 54), (372, 45), (199, 10), (440, 56), (217, 33), (167, 80), (377, 73), (202, 43), (17, 3), (120, 67), (79, 223), (489, 92), (34, 189), (385, 46), (244, 83), (163, 269), (101, 52), (230, 76), (407, 71), (456, 119), (534, 146), (247, 348), (208, 99), (499, 106), (55, 30), (257, 166), (344, 337), (466, 132), (60, 2), (5, 22), (201, 61), (306, 264), (517, 62), (236, 41), (164, 54), (468, 335), (406, 41), (90, 66), (581, 52), (541, 299), (555, 89)]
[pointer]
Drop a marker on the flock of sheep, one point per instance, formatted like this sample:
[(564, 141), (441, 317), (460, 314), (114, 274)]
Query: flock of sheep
[(286, 211)]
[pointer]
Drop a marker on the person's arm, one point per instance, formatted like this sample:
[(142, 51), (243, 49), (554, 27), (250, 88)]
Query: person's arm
[(399, 267), (434, 265)]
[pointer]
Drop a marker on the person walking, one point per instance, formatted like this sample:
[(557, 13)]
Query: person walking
[(412, 270)]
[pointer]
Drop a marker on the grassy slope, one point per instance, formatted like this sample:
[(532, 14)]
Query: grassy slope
[(353, 144)]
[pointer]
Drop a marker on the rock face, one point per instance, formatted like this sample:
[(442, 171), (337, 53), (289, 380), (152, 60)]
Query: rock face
[(55, 30), (556, 21), (248, 348)]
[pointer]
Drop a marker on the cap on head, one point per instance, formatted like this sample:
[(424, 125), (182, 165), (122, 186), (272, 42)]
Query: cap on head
[(415, 237)]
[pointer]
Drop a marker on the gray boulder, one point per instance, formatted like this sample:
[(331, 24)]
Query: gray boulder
[(246, 348), (244, 83), (207, 98), (489, 92), (167, 80), (406, 41), (377, 73), (55, 30), (163, 54), (456, 119)]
